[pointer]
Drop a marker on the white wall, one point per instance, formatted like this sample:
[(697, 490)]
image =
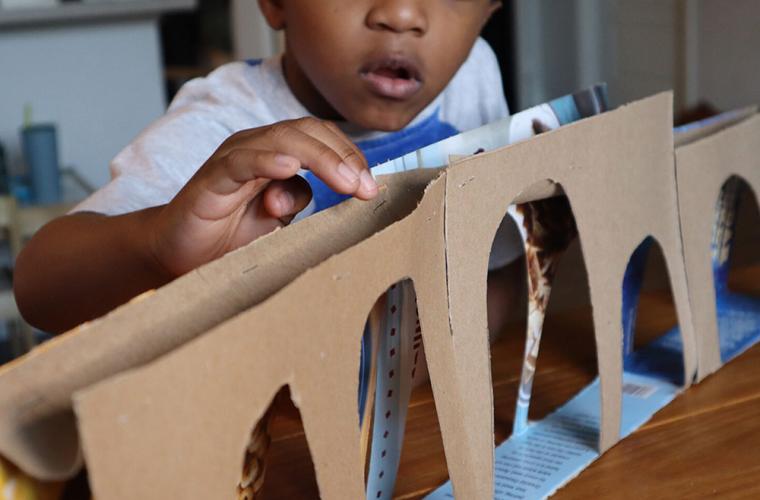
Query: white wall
[(644, 47), (101, 84), (562, 46), (252, 36), (705, 50), (729, 52)]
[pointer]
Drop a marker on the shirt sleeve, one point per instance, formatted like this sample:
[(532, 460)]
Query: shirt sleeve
[(161, 160), (475, 96)]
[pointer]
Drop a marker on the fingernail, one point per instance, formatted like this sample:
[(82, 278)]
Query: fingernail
[(347, 173), (368, 182), (287, 203), (286, 161)]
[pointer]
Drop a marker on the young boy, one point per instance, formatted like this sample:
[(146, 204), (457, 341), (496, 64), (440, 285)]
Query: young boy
[(361, 81)]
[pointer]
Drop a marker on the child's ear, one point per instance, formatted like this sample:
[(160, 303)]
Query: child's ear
[(494, 6), (274, 13)]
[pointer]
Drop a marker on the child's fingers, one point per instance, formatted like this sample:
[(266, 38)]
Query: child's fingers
[(284, 199), (332, 136), (231, 180), (322, 159), (240, 166)]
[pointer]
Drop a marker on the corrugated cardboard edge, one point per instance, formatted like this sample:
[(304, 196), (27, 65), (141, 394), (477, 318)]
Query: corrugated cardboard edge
[(702, 168), (37, 427), (192, 410)]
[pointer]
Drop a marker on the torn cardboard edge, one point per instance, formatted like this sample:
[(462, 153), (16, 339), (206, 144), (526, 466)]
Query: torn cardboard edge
[(463, 455)]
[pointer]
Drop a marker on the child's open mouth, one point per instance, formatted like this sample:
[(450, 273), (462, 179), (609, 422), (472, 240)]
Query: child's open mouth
[(393, 78)]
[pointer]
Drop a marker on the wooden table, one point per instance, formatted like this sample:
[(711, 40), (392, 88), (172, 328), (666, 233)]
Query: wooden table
[(705, 443)]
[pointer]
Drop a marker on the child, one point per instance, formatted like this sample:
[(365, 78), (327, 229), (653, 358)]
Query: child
[(361, 81)]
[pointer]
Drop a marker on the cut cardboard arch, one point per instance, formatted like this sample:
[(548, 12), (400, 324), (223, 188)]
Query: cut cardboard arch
[(723, 244), (661, 360), (313, 370), (702, 168), (35, 403), (192, 395), (399, 359), (257, 482), (547, 228), (746, 230), (632, 162), (727, 206)]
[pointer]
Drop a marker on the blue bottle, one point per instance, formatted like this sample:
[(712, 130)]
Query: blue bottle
[(40, 146)]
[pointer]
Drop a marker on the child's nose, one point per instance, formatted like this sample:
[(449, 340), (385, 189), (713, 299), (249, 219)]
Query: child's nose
[(399, 16)]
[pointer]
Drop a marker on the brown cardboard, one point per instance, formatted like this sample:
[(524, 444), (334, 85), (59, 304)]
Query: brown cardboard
[(201, 401), (191, 411), (702, 167), (617, 172), (734, 117), (37, 427)]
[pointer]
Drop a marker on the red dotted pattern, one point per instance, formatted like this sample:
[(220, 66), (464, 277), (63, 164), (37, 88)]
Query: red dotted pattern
[(416, 346)]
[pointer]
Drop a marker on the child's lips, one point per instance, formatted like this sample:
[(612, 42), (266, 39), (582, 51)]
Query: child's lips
[(392, 78)]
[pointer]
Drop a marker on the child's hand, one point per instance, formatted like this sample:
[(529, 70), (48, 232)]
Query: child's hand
[(249, 187)]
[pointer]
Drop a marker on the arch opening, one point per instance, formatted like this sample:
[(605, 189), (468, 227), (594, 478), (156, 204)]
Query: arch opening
[(277, 462), (545, 407), (399, 422), (651, 338), (652, 348), (736, 273)]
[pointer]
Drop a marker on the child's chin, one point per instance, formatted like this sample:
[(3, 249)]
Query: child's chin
[(385, 120)]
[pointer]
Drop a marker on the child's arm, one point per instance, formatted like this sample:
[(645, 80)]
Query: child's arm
[(81, 266)]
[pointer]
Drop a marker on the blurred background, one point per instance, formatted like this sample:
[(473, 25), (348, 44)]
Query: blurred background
[(101, 70), (79, 79)]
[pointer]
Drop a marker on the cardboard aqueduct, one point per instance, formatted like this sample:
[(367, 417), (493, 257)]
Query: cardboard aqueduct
[(168, 386)]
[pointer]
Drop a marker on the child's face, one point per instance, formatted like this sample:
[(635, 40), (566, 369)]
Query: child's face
[(374, 63)]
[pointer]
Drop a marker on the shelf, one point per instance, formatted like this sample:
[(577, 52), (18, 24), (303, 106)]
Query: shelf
[(70, 13)]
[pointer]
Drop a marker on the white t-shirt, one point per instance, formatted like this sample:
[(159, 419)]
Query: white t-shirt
[(237, 96)]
